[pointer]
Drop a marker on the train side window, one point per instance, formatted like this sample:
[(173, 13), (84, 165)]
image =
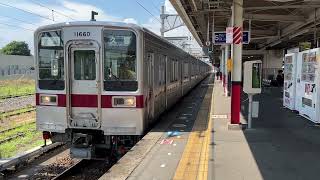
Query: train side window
[(177, 75), (51, 61), (186, 70), (173, 70), (120, 60), (162, 69)]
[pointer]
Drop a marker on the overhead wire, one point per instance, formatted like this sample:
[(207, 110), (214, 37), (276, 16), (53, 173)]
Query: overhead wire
[(16, 26), (148, 11), (155, 7), (44, 6), (44, 17), (18, 20)]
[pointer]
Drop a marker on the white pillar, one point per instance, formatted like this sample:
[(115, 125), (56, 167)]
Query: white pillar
[(222, 66), (236, 76)]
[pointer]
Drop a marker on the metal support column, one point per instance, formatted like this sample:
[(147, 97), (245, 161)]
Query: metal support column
[(237, 12)]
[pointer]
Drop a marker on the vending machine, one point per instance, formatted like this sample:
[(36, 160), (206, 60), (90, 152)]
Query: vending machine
[(299, 89), (289, 87), (308, 84)]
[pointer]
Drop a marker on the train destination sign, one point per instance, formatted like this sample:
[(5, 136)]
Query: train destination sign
[(221, 37)]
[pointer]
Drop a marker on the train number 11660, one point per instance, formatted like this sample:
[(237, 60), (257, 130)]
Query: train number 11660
[(82, 34)]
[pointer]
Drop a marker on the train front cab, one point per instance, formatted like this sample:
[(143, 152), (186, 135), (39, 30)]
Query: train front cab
[(87, 88)]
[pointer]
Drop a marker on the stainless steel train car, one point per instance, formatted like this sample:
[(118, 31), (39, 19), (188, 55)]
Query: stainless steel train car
[(102, 84)]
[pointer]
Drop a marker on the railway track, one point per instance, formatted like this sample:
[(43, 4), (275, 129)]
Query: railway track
[(11, 104), (15, 96), (16, 112), (29, 157), (85, 169), (13, 128), (15, 136)]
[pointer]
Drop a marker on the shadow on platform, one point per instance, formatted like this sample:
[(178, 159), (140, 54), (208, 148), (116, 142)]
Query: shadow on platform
[(285, 145)]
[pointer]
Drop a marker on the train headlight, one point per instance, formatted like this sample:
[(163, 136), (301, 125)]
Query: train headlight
[(50, 100), (124, 101)]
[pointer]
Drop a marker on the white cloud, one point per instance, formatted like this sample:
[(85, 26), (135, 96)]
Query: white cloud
[(130, 20), (154, 25), (77, 11), (169, 8)]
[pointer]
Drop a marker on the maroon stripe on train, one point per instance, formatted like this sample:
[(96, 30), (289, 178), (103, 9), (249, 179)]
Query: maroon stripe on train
[(90, 100), (84, 100), (37, 99), (62, 100)]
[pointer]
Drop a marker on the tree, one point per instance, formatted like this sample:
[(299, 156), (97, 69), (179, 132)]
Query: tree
[(16, 48)]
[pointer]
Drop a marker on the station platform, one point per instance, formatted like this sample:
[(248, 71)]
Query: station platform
[(193, 141), (177, 146)]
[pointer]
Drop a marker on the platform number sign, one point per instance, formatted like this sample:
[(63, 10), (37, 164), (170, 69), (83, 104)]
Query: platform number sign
[(220, 38)]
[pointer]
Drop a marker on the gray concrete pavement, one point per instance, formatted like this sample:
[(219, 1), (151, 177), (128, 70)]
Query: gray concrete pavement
[(281, 145)]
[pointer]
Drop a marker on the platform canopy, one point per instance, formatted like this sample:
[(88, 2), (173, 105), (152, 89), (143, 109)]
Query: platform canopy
[(274, 23)]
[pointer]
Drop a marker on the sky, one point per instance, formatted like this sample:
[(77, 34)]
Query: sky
[(20, 24)]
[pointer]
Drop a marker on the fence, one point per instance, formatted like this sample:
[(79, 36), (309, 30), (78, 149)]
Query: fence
[(12, 66)]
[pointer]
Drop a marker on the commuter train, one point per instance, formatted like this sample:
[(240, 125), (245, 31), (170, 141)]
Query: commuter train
[(103, 84)]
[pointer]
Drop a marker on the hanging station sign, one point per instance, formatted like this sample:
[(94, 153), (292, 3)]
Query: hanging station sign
[(220, 38)]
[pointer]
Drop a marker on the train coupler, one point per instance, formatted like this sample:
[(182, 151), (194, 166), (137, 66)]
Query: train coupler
[(82, 146)]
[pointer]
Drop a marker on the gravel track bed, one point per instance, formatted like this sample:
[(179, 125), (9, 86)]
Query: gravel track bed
[(46, 166), (16, 103), (94, 170), (54, 169)]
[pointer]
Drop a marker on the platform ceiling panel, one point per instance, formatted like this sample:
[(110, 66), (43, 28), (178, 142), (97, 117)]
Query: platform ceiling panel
[(274, 23)]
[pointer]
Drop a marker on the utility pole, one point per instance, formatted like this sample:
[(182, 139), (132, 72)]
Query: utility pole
[(162, 16), (237, 15), (173, 21)]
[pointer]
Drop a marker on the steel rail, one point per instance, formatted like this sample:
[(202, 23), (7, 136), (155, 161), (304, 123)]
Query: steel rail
[(73, 169)]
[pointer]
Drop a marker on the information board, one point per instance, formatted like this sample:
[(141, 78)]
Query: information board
[(220, 37)]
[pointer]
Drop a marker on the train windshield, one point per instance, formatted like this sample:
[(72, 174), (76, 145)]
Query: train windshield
[(120, 60), (51, 61)]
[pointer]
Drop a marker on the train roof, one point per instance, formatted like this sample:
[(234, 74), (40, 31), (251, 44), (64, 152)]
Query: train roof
[(89, 23), (104, 23)]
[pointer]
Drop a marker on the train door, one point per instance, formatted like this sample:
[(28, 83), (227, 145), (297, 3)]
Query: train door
[(150, 68), (84, 87)]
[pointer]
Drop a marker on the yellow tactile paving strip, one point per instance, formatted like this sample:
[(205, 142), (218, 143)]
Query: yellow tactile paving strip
[(195, 158)]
